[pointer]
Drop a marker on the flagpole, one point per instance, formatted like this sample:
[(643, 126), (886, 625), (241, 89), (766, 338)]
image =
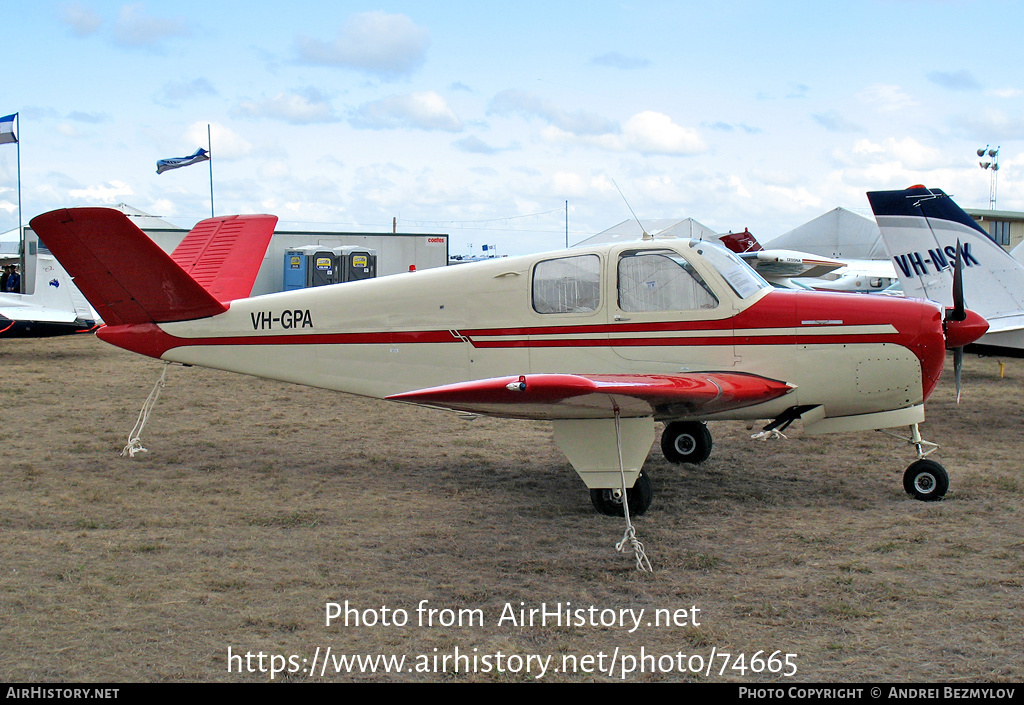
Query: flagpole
[(21, 229), (209, 149)]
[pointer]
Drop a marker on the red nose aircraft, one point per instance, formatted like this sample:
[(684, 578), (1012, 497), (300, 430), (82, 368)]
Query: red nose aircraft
[(604, 341)]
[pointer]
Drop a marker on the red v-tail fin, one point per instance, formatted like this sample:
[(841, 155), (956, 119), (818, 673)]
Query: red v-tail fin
[(125, 276), (224, 255)]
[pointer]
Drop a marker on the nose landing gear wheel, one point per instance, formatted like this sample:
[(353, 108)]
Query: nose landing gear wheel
[(926, 480), (686, 442), (609, 501)]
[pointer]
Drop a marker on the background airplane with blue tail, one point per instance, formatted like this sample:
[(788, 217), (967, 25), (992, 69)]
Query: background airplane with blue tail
[(921, 228)]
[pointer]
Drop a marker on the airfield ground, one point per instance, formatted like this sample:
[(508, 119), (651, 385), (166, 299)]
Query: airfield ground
[(259, 503)]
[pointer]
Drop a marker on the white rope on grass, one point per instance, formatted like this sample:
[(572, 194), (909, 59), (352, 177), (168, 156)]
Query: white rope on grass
[(629, 537), (134, 444)]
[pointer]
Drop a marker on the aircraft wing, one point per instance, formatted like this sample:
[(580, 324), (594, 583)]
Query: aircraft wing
[(37, 313), (574, 396), (788, 264)]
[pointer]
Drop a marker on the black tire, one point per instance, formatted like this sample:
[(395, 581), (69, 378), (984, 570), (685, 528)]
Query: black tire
[(639, 495), (926, 480), (686, 442)]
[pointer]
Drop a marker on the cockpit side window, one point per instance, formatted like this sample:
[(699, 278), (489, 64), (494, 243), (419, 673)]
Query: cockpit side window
[(661, 280), (567, 285)]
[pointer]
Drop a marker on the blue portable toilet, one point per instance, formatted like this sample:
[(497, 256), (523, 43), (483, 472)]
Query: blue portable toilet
[(295, 266), (310, 266)]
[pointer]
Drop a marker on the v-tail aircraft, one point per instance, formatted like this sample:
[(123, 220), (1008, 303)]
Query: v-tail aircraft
[(603, 341), (922, 228)]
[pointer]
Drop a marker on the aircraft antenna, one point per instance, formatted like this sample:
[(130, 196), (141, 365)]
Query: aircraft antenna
[(646, 235)]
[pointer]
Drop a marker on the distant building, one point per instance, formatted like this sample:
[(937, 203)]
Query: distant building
[(396, 252), (1006, 228)]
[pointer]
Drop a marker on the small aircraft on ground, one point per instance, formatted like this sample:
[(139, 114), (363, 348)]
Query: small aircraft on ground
[(55, 308), (796, 269), (921, 228), (847, 236), (780, 267), (603, 341)]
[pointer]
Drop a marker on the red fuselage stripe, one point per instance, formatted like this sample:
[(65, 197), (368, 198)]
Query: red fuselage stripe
[(519, 339)]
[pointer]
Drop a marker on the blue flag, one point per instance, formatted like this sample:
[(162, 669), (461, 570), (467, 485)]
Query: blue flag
[(7, 135), (163, 165)]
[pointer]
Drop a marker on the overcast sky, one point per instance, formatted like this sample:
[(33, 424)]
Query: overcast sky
[(481, 119)]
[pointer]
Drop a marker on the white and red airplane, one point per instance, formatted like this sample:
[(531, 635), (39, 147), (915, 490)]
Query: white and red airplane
[(603, 340)]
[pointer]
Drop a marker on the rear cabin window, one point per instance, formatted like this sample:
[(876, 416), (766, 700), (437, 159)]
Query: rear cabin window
[(661, 281), (567, 285)]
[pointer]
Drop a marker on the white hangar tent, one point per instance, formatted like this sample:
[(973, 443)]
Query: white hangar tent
[(840, 234), (629, 230)]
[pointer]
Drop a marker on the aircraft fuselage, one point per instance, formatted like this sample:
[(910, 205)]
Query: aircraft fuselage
[(618, 313)]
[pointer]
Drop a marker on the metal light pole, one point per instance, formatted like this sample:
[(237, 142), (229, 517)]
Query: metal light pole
[(993, 166)]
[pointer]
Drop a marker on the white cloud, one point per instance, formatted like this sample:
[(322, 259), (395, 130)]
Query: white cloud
[(573, 185), (386, 45), (227, 144), (110, 192), (423, 111), (161, 207), (81, 20), (886, 97), (177, 91), (650, 132), (513, 102), (646, 133), (990, 121), (295, 107), (620, 61), (795, 198), (908, 152), (474, 145), (834, 122), (962, 80), (135, 28)]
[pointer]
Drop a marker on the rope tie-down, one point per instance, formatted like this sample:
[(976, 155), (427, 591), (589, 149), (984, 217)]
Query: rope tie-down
[(134, 443), (629, 537)]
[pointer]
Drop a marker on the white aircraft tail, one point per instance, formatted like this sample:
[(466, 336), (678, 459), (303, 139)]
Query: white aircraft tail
[(921, 228), (55, 289)]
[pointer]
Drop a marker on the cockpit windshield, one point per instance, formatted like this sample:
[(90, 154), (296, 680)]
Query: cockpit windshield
[(740, 276)]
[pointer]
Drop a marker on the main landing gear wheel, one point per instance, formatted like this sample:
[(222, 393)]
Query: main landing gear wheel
[(926, 480), (609, 501), (686, 442)]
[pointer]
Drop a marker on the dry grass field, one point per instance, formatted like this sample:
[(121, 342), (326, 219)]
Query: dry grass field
[(259, 503)]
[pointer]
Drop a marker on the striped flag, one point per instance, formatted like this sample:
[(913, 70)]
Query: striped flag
[(163, 165), (7, 135)]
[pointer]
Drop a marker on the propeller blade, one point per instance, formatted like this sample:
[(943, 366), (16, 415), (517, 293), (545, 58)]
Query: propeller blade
[(958, 312), (958, 366)]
